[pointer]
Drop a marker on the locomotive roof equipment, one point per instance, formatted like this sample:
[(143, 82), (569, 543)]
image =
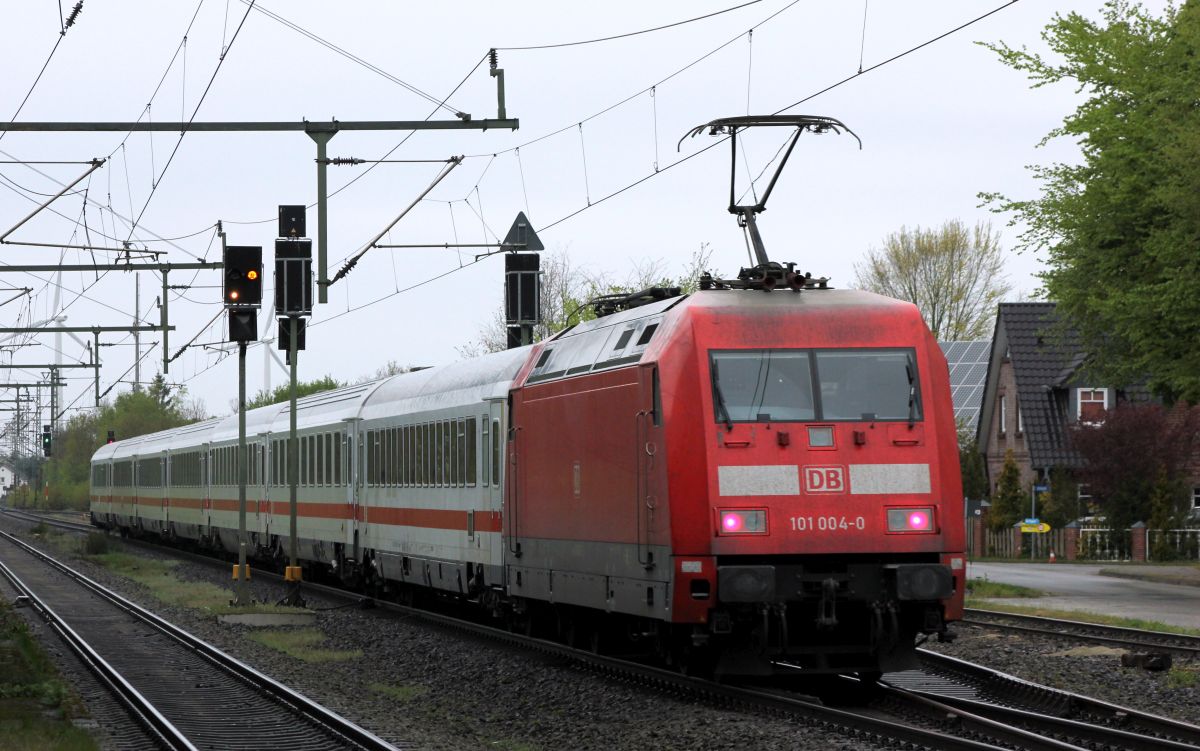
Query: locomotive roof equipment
[(766, 274)]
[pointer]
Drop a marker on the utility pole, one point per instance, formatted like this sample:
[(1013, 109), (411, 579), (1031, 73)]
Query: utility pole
[(163, 268), (293, 299), (293, 597), (242, 296), (137, 339)]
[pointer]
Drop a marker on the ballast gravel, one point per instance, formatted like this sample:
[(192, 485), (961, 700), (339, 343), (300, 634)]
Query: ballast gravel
[(425, 687)]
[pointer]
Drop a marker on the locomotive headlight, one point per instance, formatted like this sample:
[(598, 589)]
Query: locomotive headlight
[(910, 519), (742, 522)]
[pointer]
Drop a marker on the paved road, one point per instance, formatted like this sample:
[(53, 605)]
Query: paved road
[(1080, 587)]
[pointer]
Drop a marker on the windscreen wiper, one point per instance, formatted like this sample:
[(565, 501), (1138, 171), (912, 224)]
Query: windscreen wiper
[(912, 394), (716, 380)]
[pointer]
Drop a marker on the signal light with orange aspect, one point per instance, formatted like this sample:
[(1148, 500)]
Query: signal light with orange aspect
[(243, 276)]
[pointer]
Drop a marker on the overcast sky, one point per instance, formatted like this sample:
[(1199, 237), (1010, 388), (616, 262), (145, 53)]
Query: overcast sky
[(938, 126)]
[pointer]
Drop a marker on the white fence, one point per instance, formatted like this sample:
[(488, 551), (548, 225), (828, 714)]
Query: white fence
[(1093, 543)]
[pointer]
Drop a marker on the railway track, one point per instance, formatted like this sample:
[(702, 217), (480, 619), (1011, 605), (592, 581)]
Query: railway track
[(992, 704), (949, 704), (185, 692), (1138, 639)]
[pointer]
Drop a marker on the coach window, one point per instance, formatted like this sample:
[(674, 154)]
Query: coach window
[(429, 454), (306, 460), (327, 459), (436, 454), (495, 453), (320, 468), (369, 459), (458, 450), (337, 458), (312, 460), (412, 455), (486, 454), (471, 467), (449, 454), (385, 451), (394, 456)]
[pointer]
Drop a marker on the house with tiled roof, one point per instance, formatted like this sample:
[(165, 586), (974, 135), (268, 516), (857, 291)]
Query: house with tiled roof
[(1034, 392), (1037, 389)]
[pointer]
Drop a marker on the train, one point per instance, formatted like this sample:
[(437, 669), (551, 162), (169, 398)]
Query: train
[(740, 482)]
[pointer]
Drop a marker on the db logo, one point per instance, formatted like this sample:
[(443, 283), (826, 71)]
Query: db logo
[(824, 480)]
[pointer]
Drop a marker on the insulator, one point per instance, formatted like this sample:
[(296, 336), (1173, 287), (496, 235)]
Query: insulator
[(493, 58), (74, 13)]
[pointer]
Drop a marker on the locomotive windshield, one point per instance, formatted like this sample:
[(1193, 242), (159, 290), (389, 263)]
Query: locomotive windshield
[(765, 385)]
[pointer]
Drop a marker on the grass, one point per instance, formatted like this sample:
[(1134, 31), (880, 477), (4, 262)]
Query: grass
[(404, 693), (1183, 677), (301, 644), (984, 588), (158, 576), (36, 706), (1079, 615)]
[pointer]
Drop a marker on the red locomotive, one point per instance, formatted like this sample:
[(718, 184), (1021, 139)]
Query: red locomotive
[(742, 480)]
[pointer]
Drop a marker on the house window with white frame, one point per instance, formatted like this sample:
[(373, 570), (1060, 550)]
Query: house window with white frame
[(1196, 498), (1091, 405), (1003, 414), (1020, 417)]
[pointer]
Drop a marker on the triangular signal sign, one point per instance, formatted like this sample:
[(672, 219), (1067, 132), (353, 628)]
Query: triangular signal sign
[(521, 235)]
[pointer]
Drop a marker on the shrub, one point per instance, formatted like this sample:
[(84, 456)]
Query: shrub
[(96, 543)]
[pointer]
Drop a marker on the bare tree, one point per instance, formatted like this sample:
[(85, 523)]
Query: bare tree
[(953, 274), (566, 290)]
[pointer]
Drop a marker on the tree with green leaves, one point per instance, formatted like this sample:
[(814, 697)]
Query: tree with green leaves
[(953, 274), (283, 393), (1059, 506), (1119, 229), (974, 478), (68, 473), (1123, 456), (1008, 502)]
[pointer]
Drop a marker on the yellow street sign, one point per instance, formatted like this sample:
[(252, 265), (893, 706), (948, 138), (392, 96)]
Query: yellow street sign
[(1036, 528)]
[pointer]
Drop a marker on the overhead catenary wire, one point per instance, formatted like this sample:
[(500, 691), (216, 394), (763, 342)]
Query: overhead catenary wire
[(352, 57), (676, 163), (824, 90), (382, 159), (682, 160), (195, 111), (628, 34), (645, 90)]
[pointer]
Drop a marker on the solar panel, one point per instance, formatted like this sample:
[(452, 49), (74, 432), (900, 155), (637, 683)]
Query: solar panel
[(968, 361)]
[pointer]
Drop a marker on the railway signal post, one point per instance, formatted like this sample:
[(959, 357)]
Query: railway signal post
[(242, 293), (293, 301)]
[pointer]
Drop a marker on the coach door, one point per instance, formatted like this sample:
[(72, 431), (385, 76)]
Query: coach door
[(484, 524), (164, 481), (205, 489), (347, 474)]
